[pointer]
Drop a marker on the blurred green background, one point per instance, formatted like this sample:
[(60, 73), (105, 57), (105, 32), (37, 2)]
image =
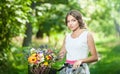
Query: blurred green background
[(31, 23)]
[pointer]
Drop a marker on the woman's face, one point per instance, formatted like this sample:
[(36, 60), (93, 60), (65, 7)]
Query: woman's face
[(72, 23)]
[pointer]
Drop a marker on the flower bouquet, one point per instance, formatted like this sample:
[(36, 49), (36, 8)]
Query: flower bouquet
[(41, 59)]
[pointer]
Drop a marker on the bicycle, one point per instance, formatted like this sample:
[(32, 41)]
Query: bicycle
[(68, 69)]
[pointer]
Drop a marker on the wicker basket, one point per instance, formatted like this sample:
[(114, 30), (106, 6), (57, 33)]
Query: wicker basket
[(43, 70)]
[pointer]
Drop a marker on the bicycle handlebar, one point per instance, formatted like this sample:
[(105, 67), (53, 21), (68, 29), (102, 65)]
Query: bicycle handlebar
[(67, 65)]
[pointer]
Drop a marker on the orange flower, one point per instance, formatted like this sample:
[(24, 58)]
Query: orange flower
[(32, 59)]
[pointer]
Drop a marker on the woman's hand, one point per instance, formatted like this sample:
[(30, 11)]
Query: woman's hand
[(61, 54), (77, 64)]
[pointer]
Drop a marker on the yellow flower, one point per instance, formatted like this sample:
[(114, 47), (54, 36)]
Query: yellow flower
[(45, 63), (32, 59), (48, 57), (34, 55)]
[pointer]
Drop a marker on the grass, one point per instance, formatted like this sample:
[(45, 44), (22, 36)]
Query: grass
[(109, 54)]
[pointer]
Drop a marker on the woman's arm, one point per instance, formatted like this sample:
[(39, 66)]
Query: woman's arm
[(92, 48), (63, 50)]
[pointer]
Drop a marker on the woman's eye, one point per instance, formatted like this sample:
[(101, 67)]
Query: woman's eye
[(68, 21), (73, 20)]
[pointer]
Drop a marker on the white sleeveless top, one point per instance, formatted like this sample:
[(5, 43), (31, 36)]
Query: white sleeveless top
[(77, 48)]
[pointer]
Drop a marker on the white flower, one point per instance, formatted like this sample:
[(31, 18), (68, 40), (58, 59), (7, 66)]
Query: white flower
[(32, 50)]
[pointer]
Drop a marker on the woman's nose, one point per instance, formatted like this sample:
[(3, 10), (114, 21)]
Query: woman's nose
[(70, 22)]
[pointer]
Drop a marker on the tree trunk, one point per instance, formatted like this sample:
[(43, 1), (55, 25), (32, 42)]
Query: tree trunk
[(117, 26), (39, 34), (28, 37)]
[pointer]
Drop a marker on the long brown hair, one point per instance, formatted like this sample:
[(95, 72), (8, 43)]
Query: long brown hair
[(76, 14)]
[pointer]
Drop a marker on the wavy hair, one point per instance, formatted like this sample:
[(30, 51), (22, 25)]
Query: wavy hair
[(76, 14)]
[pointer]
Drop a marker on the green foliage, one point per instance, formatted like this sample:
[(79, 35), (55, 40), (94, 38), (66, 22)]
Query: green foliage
[(98, 16), (15, 61), (51, 18), (12, 23), (13, 19), (54, 1)]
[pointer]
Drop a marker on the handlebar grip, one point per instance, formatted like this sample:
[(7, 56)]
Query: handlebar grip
[(67, 65)]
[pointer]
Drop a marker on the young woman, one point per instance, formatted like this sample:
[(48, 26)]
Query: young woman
[(77, 44)]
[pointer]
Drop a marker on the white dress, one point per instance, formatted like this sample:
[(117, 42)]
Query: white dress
[(77, 48)]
